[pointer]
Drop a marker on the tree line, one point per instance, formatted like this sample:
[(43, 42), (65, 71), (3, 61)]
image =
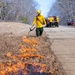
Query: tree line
[(65, 9), (18, 10)]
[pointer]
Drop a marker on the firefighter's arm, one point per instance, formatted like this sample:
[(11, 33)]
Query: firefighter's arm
[(34, 22), (57, 19), (44, 21)]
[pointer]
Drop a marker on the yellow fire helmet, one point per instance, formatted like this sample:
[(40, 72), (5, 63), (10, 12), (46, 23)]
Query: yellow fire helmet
[(38, 12)]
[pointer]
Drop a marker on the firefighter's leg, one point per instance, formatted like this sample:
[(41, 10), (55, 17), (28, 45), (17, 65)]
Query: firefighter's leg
[(41, 31), (50, 24), (57, 24), (54, 24), (37, 32)]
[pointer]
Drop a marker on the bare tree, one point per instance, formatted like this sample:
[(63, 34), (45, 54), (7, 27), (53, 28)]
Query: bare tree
[(65, 9), (19, 10)]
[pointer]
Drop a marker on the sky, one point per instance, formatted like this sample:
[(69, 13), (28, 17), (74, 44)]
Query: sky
[(44, 6)]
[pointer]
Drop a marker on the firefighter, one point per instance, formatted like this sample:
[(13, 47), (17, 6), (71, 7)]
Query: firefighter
[(39, 21), (57, 21), (50, 21)]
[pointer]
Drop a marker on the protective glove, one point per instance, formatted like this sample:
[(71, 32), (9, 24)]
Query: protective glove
[(30, 29)]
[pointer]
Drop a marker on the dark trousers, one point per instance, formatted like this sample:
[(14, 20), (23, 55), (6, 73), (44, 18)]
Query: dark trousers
[(56, 24), (39, 31), (50, 24), (47, 25)]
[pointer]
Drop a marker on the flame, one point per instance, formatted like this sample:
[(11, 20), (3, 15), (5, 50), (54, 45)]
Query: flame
[(14, 67), (32, 41), (20, 65), (17, 63), (9, 54), (2, 72)]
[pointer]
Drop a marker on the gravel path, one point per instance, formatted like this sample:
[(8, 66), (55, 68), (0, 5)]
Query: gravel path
[(63, 46)]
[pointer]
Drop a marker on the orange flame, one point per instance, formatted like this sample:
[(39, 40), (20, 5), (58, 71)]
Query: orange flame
[(9, 54), (17, 62)]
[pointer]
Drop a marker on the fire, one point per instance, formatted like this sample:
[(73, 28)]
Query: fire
[(32, 41), (2, 72), (9, 54), (14, 67), (18, 65)]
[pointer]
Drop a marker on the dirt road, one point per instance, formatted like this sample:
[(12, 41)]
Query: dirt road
[(63, 46)]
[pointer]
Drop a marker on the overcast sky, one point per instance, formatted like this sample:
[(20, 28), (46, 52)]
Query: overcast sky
[(45, 6)]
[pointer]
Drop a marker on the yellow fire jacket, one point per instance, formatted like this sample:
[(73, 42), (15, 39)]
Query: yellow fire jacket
[(57, 19), (39, 21), (51, 19)]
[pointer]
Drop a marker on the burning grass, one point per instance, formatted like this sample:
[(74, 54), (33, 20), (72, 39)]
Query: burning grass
[(19, 63), (27, 56)]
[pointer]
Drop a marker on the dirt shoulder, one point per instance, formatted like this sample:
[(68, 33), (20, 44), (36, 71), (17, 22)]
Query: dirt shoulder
[(11, 38)]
